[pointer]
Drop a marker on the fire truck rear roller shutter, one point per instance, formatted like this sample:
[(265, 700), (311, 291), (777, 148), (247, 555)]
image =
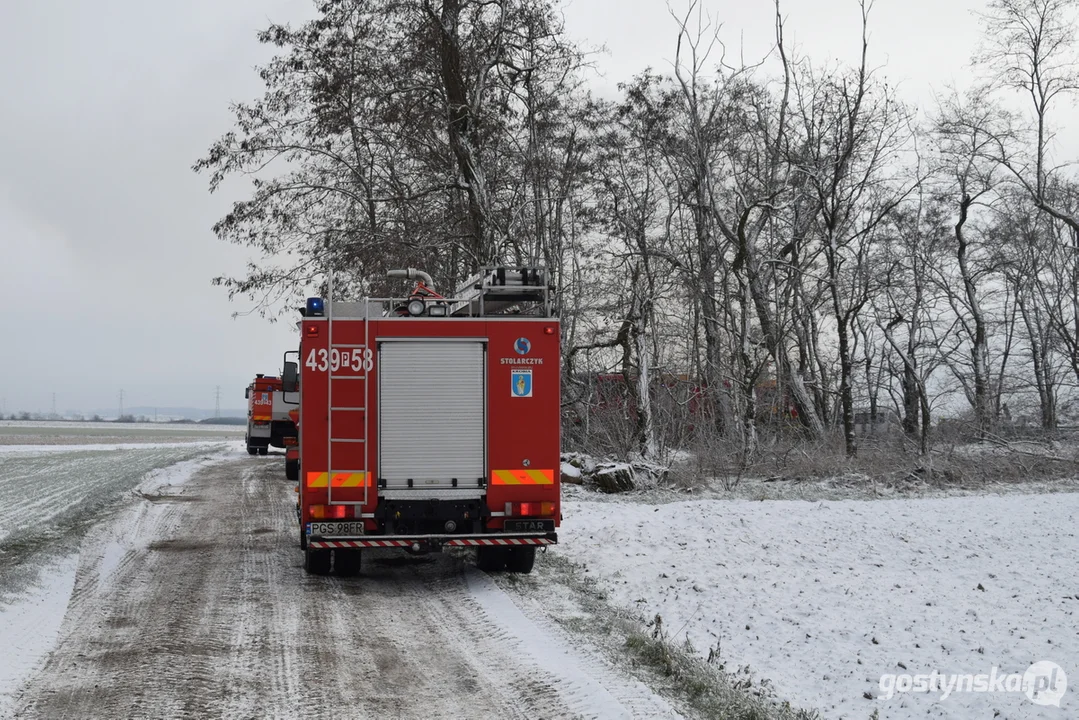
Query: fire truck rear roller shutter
[(431, 412)]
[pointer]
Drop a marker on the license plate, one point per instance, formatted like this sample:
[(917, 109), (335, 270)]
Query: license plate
[(521, 526), (335, 529)]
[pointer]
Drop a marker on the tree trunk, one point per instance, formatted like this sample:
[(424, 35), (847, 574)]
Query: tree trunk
[(713, 377), (646, 432), (749, 380), (917, 386), (803, 402), (463, 135), (1039, 359), (846, 391), (846, 363), (979, 349), (911, 405)]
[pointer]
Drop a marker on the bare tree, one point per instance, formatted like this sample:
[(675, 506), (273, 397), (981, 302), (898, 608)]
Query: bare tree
[(852, 129), (1024, 240), (907, 305), (747, 213), (704, 116), (969, 182), (1031, 46)]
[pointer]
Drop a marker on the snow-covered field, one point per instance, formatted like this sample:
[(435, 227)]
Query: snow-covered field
[(48, 492), (47, 433), (823, 598)]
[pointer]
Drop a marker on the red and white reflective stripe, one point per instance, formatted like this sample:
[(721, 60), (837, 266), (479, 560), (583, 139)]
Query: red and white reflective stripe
[(464, 542), (359, 543), (499, 541)]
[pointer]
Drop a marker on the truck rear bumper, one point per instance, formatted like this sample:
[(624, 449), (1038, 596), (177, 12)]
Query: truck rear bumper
[(428, 543)]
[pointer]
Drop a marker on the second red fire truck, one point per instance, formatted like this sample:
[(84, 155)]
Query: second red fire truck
[(268, 421), (428, 422)]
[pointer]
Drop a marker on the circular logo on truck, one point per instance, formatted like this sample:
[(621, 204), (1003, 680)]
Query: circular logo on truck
[(522, 346)]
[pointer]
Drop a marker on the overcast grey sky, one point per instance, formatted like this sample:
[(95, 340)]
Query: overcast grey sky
[(106, 252)]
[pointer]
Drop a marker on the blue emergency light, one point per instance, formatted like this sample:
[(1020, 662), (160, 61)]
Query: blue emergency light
[(316, 307)]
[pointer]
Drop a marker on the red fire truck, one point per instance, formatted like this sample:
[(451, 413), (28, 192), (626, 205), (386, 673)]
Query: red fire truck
[(268, 422), (429, 422)]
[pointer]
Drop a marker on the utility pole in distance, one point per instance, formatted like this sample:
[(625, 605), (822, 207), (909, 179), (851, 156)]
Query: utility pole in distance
[(217, 402), (121, 403)]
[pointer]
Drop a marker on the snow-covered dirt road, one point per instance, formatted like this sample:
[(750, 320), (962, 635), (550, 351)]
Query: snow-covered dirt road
[(194, 604), (823, 598)]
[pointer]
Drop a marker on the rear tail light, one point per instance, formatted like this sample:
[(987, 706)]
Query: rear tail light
[(291, 442), (530, 509), (330, 512)]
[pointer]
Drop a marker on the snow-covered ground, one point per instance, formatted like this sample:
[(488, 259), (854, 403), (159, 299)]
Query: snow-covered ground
[(45, 433), (13, 452), (47, 492), (192, 602), (49, 496), (823, 598), (818, 598), (29, 625)]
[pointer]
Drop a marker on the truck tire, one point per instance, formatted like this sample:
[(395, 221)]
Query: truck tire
[(521, 559), (303, 539), (252, 450), (316, 562), (265, 449), (292, 469), (491, 559), (346, 563)]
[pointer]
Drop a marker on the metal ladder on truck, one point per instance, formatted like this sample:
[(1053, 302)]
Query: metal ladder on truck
[(357, 428)]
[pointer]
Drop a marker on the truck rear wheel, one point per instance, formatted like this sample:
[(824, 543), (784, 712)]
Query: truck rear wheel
[(491, 559), (346, 563), (292, 469), (303, 539), (264, 450), (252, 450), (316, 562), (521, 559)]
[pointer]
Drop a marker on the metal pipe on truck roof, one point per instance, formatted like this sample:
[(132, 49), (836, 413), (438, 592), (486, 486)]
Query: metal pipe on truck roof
[(413, 274)]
